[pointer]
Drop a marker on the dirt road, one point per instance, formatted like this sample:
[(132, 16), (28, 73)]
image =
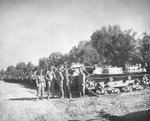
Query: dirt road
[(17, 103)]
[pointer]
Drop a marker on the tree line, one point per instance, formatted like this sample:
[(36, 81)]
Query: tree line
[(108, 45)]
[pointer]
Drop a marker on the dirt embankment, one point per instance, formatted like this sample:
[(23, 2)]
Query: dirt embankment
[(17, 103)]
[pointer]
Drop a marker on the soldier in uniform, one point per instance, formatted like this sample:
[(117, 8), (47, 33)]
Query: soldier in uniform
[(40, 82), (33, 77), (147, 66), (50, 76), (67, 84), (81, 83), (60, 79)]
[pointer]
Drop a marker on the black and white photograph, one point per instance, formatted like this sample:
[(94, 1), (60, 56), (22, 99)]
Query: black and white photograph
[(74, 60)]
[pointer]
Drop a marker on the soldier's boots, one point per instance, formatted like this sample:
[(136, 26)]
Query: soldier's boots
[(37, 99), (70, 96)]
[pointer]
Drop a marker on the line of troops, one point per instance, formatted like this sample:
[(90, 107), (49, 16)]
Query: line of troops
[(62, 77)]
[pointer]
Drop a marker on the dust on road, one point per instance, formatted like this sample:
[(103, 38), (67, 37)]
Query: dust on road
[(17, 103)]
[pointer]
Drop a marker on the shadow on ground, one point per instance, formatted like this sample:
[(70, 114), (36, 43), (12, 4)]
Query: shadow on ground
[(28, 85), (30, 99), (23, 99), (135, 116), (25, 84), (73, 120)]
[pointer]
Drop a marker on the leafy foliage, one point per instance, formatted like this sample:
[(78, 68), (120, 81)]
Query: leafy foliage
[(145, 48), (90, 56), (115, 46), (108, 46), (43, 63), (56, 59)]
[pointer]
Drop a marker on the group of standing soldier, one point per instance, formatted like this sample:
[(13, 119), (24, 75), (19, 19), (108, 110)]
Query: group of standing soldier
[(62, 77)]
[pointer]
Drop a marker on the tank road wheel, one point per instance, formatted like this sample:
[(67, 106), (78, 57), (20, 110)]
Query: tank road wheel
[(103, 91), (127, 88), (124, 89), (146, 81), (98, 92), (109, 90), (140, 87), (117, 90), (90, 86), (130, 87)]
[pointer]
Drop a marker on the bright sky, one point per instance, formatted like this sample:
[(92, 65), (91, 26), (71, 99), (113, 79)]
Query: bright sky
[(32, 29)]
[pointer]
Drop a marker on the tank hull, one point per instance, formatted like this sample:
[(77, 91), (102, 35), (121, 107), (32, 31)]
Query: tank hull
[(120, 83)]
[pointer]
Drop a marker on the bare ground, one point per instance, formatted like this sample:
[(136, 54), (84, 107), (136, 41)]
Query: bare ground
[(17, 103)]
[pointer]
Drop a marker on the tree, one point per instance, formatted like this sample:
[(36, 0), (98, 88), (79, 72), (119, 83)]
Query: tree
[(11, 70), (77, 52), (90, 56), (44, 63), (21, 66), (29, 67), (73, 54), (56, 59), (145, 50), (2, 72), (113, 45), (123, 49), (102, 37)]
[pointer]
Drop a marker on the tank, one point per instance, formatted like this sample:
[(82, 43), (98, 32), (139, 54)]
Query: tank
[(109, 81)]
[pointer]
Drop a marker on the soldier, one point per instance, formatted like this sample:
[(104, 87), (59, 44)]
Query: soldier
[(40, 82), (50, 76), (60, 79), (81, 83), (147, 66), (68, 84), (32, 77)]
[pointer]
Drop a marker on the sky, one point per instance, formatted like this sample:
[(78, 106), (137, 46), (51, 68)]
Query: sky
[(32, 29)]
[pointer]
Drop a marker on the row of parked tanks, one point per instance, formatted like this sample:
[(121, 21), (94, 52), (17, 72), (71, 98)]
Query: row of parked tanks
[(105, 80)]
